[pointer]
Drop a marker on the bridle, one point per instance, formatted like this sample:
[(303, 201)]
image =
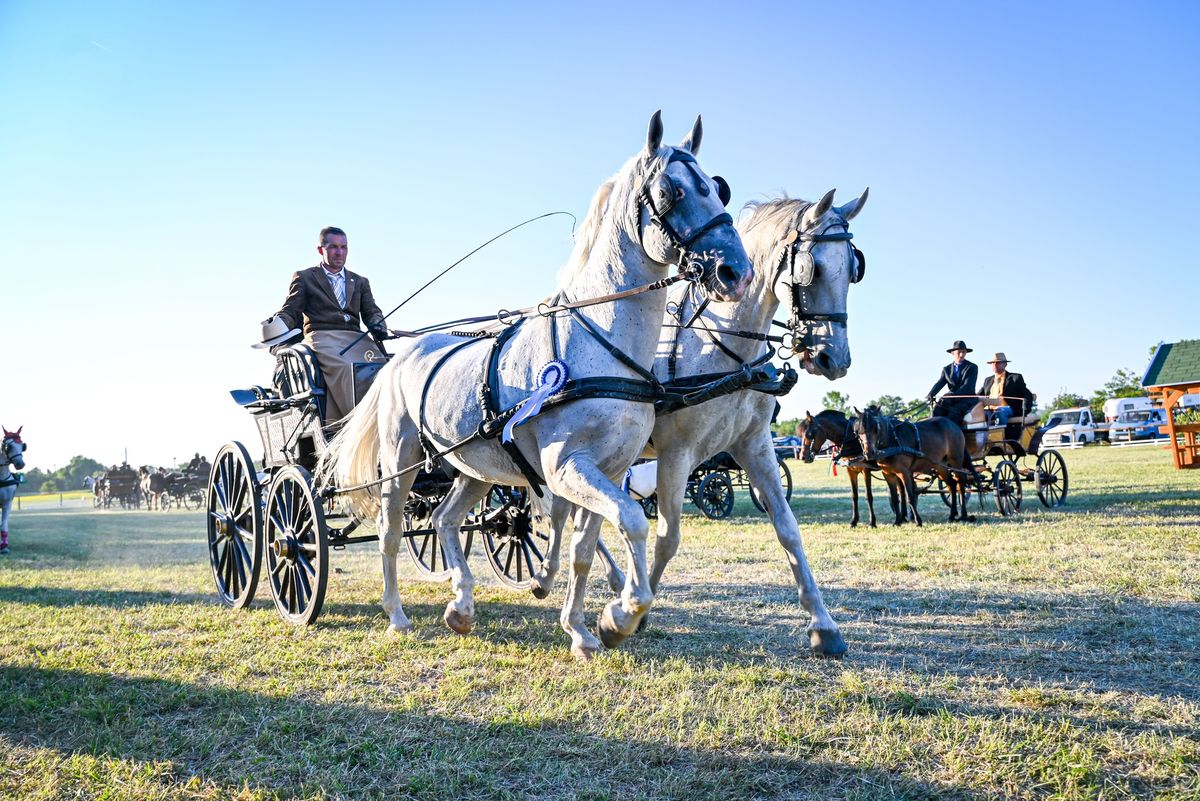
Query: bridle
[(690, 263), (798, 261)]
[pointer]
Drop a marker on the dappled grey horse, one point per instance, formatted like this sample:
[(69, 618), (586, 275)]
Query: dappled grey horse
[(659, 210), (803, 260), (12, 456)]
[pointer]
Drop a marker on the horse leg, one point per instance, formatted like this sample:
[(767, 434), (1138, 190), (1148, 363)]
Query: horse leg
[(897, 499), (581, 481), (391, 531), (854, 496), (910, 489), (870, 497), (448, 519), (584, 539), (543, 577), (763, 472), (6, 498)]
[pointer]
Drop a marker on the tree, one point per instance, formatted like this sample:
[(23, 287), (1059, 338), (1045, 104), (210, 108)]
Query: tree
[(889, 404), (838, 401), (787, 428), (1066, 400), (1123, 384)]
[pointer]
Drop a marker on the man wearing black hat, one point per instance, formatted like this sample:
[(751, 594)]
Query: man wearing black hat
[(958, 377)]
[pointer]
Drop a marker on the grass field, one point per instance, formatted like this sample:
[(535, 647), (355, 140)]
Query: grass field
[(1052, 655)]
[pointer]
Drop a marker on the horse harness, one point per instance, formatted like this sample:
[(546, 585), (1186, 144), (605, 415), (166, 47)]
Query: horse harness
[(890, 426), (796, 257)]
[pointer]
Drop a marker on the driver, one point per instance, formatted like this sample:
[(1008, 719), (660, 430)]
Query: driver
[(330, 301), (958, 378)]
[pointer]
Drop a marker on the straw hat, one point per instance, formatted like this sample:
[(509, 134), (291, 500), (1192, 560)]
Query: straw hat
[(999, 357), (274, 331)]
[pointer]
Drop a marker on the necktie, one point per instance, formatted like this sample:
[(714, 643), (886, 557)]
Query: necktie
[(956, 372), (339, 289)]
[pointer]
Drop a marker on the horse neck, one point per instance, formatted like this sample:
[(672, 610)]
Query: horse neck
[(617, 263)]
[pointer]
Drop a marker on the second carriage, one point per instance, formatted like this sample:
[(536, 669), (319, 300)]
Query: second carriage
[(711, 487), (276, 523)]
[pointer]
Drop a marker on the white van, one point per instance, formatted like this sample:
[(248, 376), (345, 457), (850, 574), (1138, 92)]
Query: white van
[(1068, 426)]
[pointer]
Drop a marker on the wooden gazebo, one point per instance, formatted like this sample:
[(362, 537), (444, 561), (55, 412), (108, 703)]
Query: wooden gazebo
[(1174, 371)]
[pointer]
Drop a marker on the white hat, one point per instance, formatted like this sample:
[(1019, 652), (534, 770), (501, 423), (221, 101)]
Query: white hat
[(274, 331)]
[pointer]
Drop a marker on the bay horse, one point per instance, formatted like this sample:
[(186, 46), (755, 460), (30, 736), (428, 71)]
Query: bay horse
[(803, 260), (901, 447), (659, 210), (12, 457), (833, 427), (153, 482)]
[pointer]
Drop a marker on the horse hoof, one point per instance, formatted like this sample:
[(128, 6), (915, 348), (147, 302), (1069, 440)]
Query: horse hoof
[(642, 623), (969, 518), (584, 653), (400, 631), (610, 635), (853, 524), (539, 591), (458, 622), (826, 642)]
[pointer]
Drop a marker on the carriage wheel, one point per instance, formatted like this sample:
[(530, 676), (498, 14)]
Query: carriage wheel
[(164, 501), (1006, 483), (714, 496), (423, 547), (1051, 478), (515, 548), (192, 499), (650, 506), (297, 546), (785, 481), (234, 525)]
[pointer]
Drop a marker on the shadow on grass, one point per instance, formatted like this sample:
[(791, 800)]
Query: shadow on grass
[(292, 745)]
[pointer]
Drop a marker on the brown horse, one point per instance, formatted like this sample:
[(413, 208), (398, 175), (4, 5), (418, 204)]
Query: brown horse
[(901, 447), (833, 427)]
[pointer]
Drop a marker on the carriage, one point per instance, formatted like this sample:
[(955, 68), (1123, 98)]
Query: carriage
[(119, 485), (184, 489), (276, 522), (711, 487), (1001, 455)]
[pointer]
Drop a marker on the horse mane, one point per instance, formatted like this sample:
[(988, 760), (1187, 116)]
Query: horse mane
[(616, 194), (764, 223)]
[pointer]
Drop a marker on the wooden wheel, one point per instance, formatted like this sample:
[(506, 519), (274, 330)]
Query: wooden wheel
[(1006, 483), (234, 517), (296, 545), (785, 481), (423, 546), (714, 496), (1051, 478), (515, 548)]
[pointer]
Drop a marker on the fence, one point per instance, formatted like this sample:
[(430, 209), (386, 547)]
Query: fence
[(47, 500)]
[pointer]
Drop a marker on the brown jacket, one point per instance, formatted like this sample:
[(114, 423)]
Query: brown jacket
[(311, 299)]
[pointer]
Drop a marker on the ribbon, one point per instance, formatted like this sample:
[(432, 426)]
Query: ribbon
[(551, 379)]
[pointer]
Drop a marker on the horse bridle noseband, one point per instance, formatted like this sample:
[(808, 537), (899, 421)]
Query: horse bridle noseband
[(682, 244)]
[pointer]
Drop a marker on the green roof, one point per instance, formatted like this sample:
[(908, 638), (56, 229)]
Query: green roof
[(1177, 363)]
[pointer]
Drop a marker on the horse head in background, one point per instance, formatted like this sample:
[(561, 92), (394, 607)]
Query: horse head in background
[(12, 456)]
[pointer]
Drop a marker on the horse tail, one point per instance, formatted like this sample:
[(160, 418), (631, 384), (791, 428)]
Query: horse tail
[(352, 457)]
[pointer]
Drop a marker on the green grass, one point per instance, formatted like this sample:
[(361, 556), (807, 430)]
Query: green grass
[(1051, 655)]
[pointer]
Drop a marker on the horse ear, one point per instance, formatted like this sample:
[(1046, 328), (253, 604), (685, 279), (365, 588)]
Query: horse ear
[(654, 134), (857, 413), (808, 414), (691, 142), (851, 209), (817, 210)]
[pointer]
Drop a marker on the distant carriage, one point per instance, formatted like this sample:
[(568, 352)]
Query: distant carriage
[(120, 486), (711, 487)]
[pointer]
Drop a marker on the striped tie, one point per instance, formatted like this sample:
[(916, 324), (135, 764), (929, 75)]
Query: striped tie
[(339, 289)]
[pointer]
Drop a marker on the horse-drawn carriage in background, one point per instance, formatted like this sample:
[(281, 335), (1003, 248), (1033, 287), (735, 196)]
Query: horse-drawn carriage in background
[(183, 488), (710, 486), (119, 485), (277, 515)]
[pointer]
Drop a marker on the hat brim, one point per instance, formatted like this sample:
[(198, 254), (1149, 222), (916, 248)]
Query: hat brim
[(964, 350), (273, 341), (998, 361)]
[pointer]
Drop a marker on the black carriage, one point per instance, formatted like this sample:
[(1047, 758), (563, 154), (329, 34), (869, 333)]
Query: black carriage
[(277, 515), (711, 487), (1005, 458), (120, 486), (184, 489)]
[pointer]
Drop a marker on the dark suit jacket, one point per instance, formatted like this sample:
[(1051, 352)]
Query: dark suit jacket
[(1017, 395), (965, 385), (311, 299)]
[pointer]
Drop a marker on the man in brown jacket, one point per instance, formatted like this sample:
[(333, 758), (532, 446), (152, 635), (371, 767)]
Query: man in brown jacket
[(331, 300)]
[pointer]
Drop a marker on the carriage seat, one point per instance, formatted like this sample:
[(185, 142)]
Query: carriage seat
[(297, 374)]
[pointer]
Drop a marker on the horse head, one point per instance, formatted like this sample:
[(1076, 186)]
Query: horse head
[(679, 213), (13, 448), (815, 264), (869, 430), (817, 431)]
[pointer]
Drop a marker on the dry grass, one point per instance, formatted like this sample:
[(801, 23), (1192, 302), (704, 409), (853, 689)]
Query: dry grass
[(1052, 656)]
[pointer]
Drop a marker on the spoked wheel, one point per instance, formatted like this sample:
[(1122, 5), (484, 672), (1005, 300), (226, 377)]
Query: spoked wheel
[(944, 492), (785, 480), (515, 548), (714, 496), (164, 501), (423, 547), (193, 499), (297, 546), (1006, 483), (234, 525), (1051, 477)]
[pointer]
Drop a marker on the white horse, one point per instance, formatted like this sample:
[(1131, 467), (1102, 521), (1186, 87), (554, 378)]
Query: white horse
[(12, 455), (659, 210), (802, 259)]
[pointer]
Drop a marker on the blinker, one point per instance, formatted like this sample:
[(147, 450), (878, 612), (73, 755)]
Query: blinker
[(723, 190)]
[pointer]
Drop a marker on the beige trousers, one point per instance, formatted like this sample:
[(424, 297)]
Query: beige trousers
[(337, 369)]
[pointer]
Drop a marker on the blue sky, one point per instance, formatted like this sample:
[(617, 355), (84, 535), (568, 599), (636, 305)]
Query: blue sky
[(165, 167)]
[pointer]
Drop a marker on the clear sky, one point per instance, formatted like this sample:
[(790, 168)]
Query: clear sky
[(164, 167)]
